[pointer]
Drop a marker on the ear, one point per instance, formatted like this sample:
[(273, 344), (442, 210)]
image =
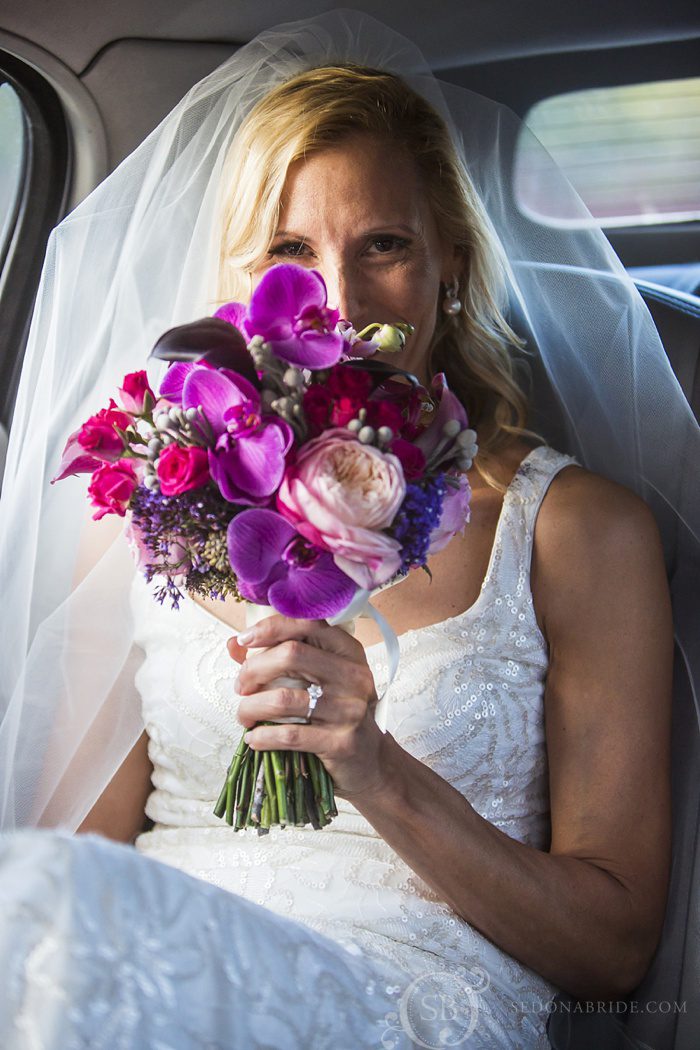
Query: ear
[(452, 264)]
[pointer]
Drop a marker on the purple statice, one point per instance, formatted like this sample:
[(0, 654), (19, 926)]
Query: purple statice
[(418, 515), (183, 538)]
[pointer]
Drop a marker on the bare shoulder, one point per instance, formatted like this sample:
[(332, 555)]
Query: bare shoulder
[(593, 537)]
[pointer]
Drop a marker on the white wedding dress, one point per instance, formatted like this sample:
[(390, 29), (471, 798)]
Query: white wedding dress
[(300, 938)]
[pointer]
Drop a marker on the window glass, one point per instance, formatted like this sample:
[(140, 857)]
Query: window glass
[(632, 153), (12, 145)]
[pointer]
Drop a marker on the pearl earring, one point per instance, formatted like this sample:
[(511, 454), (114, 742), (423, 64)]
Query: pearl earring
[(451, 304)]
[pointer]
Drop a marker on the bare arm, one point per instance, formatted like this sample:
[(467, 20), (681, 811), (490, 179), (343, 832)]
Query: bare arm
[(586, 915), (119, 812)]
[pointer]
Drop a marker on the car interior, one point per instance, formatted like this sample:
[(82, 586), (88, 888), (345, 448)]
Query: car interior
[(81, 85)]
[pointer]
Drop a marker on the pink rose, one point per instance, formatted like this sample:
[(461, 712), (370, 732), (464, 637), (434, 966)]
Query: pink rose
[(455, 515), (135, 391), (112, 487), (181, 469), (340, 494), (98, 436)]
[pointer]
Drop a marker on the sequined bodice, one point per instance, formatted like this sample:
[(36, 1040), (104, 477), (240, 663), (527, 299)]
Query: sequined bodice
[(467, 700)]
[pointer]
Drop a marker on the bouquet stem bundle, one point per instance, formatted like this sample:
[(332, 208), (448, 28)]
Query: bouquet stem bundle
[(264, 788)]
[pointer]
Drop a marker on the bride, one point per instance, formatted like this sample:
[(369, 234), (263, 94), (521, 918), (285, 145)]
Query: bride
[(509, 835)]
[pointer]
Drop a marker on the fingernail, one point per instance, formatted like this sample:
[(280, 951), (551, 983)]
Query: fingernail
[(245, 637)]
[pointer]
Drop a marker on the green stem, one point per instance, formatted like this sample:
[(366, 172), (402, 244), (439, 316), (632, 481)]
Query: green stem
[(313, 770), (299, 795), (265, 815), (242, 799), (270, 793), (231, 776), (253, 789), (289, 786), (260, 792), (325, 791), (277, 759), (334, 808)]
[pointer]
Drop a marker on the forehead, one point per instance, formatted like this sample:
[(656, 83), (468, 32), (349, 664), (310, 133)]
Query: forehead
[(359, 181)]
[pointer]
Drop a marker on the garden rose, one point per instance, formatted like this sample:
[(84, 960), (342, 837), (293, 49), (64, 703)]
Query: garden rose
[(340, 494), (98, 436), (112, 487), (135, 391), (180, 469)]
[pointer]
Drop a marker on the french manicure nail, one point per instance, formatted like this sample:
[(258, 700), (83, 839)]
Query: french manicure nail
[(245, 637)]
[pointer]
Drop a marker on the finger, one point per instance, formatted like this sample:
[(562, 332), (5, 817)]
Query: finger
[(286, 702), (277, 628), (317, 739), (296, 659), (237, 652)]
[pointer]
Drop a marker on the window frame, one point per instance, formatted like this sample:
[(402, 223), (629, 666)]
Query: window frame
[(41, 203)]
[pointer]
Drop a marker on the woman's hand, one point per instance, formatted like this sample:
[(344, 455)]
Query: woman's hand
[(343, 732)]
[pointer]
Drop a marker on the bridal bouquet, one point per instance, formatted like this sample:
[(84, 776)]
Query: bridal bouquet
[(279, 464)]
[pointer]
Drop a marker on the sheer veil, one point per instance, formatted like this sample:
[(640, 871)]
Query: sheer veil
[(140, 255)]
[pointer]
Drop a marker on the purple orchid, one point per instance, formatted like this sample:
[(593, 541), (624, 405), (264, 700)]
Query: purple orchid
[(275, 565), (248, 458), (288, 309), (235, 314), (447, 437)]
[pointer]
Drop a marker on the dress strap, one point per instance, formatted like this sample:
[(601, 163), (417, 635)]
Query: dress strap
[(511, 558)]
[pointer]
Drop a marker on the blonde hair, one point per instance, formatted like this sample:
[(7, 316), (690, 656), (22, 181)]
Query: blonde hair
[(320, 108)]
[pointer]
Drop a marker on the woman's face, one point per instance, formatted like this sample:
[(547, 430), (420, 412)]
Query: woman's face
[(356, 212)]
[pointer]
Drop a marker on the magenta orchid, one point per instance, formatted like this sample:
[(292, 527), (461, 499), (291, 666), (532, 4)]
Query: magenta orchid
[(248, 458), (289, 310), (276, 565)]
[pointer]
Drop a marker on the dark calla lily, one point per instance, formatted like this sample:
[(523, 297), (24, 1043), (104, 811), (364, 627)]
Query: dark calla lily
[(210, 340)]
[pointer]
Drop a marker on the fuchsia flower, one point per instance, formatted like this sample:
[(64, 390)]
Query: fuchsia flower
[(449, 407), (276, 566), (180, 469), (235, 314), (136, 392), (455, 515), (95, 442), (248, 458), (112, 487), (411, 458), (288, 309)]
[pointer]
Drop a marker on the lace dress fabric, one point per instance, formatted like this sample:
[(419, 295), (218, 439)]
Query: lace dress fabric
[(325, 932)]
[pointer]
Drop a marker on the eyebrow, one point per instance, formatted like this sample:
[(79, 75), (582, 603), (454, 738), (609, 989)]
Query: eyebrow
[(366, 233)]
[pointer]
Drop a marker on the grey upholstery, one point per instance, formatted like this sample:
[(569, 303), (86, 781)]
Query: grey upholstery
[(572, 1024)]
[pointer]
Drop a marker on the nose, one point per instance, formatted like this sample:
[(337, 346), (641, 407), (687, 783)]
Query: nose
[(345, 292)]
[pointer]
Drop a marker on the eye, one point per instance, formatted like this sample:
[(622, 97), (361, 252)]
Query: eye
[(387, 245), (293, 249)]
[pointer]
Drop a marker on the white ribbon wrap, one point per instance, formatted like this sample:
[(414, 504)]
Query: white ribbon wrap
[(359, 606)]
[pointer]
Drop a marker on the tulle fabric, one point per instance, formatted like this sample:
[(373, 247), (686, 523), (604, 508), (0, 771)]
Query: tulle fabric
[(138, 256)]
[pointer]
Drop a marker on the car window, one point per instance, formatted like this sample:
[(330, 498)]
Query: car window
[(12, 152), (632, 153)]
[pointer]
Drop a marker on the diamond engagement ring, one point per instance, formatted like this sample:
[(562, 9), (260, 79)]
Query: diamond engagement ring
[(315, 693)]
